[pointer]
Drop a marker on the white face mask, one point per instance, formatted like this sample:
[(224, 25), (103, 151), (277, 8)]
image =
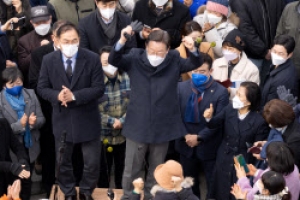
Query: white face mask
[(278, 129), (155, 60), (277, 60), (260, 186), (7, 2), (69, 50), (159, 2), (107, 13), (42, 29), (213, 19), (229, 55), (237, 103), (110, 69)]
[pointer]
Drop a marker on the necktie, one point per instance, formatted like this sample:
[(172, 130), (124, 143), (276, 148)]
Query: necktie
[(69, 69)]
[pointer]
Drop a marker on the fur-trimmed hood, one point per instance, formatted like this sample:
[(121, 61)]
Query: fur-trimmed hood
[(188, 182)]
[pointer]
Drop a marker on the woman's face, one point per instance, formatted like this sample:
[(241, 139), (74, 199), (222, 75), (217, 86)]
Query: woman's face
[(17, 82), (196, 35), (280, 51), (214, 13), (241, 94), (231, 49)]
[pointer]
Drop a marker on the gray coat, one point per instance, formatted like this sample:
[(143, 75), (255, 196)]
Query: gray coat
[(32, 106)]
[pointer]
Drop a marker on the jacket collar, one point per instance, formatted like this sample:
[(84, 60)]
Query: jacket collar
[(240, 66), (167, 7), (280, 68)]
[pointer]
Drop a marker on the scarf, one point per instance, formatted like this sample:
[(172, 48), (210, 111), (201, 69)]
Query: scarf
[(192, 107), (18, 105)]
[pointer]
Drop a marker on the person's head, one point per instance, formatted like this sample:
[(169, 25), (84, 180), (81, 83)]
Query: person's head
[(247, 97), (278, 113), (157, 47), (107, 8), (68, 39), (282, 49), (272, 183), (41, 20), (280, 158), (108, 69), (202, 74), (192, 29), (12, 79), (233, 45), (55, 27), (217, 10)]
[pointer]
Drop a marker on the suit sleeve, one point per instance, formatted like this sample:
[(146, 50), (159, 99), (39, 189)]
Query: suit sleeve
[(218, 119), (208, 133), (191, 63), (84, 41), (24, 57), (96, 90), (119, 59)]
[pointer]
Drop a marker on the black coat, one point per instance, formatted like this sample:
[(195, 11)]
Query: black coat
[(218, 96), (285, 75), (171, 21), (5, 53), (92, 35), (235, 135), (153, 114), (292, 137), (81, 118), (258, 22)]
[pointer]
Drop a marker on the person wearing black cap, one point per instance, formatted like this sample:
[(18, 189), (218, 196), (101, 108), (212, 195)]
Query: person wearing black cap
[(41, 35), (234, 67)]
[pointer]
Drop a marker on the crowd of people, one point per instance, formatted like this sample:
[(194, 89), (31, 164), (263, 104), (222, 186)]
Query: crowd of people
[(155, 92)]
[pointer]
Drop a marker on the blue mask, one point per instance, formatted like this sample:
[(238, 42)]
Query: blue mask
[(15, 91), (199, 79)]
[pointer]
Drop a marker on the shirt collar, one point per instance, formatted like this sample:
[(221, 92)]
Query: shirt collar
[(119, 78), (73, 58)]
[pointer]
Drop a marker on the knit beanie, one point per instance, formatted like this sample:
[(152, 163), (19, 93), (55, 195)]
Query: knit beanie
[(220, 6), (236, 39)]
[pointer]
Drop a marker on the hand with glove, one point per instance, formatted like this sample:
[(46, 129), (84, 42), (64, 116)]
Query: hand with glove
[(136, 26), (19, 170), (285, 95)]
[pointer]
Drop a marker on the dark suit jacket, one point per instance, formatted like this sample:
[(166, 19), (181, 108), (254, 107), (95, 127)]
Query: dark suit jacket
[(218, 96), (81, 118), (153, 114)]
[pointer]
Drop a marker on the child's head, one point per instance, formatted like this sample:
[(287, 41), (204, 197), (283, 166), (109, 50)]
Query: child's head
[(273, 183)]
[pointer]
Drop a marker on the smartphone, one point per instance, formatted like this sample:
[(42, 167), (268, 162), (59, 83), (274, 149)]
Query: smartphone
[(254, 149), (241, 160)]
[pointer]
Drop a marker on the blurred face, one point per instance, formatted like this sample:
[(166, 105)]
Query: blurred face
[(231, 49), (280, 51), (17, 82), (69, 37), (203, 69), (241, 94), (41, 22), (214, 13), (196, 35), (104, 59), (157, 48)]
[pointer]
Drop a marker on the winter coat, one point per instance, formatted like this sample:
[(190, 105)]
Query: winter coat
[(236, 133), (195, 5), (286, 75), (258, 22), (153, 115), (94, 38), (289, 25), (244, 70), (172, 20), (162, 194), (5, 53), (203, 48), (32, 106)]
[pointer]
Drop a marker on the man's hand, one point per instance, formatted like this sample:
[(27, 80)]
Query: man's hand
[(44, 42), (189, 43), (191, 140), (117, 124), (13, 191), (127, 30), (9, 63), (23, 120), (24, 173), (208, 113), (32, 119), (138, 185), (268, 55), (61, 98)]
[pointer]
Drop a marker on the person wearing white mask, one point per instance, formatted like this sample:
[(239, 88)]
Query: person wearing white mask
[(241, 124), (41, 35), (103, 27), (216, 23), (71, 79), (282, 72), (112, 108), (234, 67), (153, 116)]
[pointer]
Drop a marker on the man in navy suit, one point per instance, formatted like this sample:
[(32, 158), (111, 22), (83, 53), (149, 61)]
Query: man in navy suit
[(199, 146), (72, 81)]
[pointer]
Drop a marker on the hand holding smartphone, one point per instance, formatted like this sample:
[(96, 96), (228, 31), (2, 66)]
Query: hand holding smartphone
[(239, 159)]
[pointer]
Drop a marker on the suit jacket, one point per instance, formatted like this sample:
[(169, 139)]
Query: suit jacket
[(153, 114), (32, 106), (218, 96), (80, 119)]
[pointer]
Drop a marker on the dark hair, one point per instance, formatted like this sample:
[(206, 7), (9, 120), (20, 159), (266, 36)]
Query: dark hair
[(189, 27), (105, 1), (280, 158), (66, 27), (57, 25), (275, 183), (105, 49), (207, 60), (253, 94), (286, 41), (278, 113), (159, 36), (11, 74)]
